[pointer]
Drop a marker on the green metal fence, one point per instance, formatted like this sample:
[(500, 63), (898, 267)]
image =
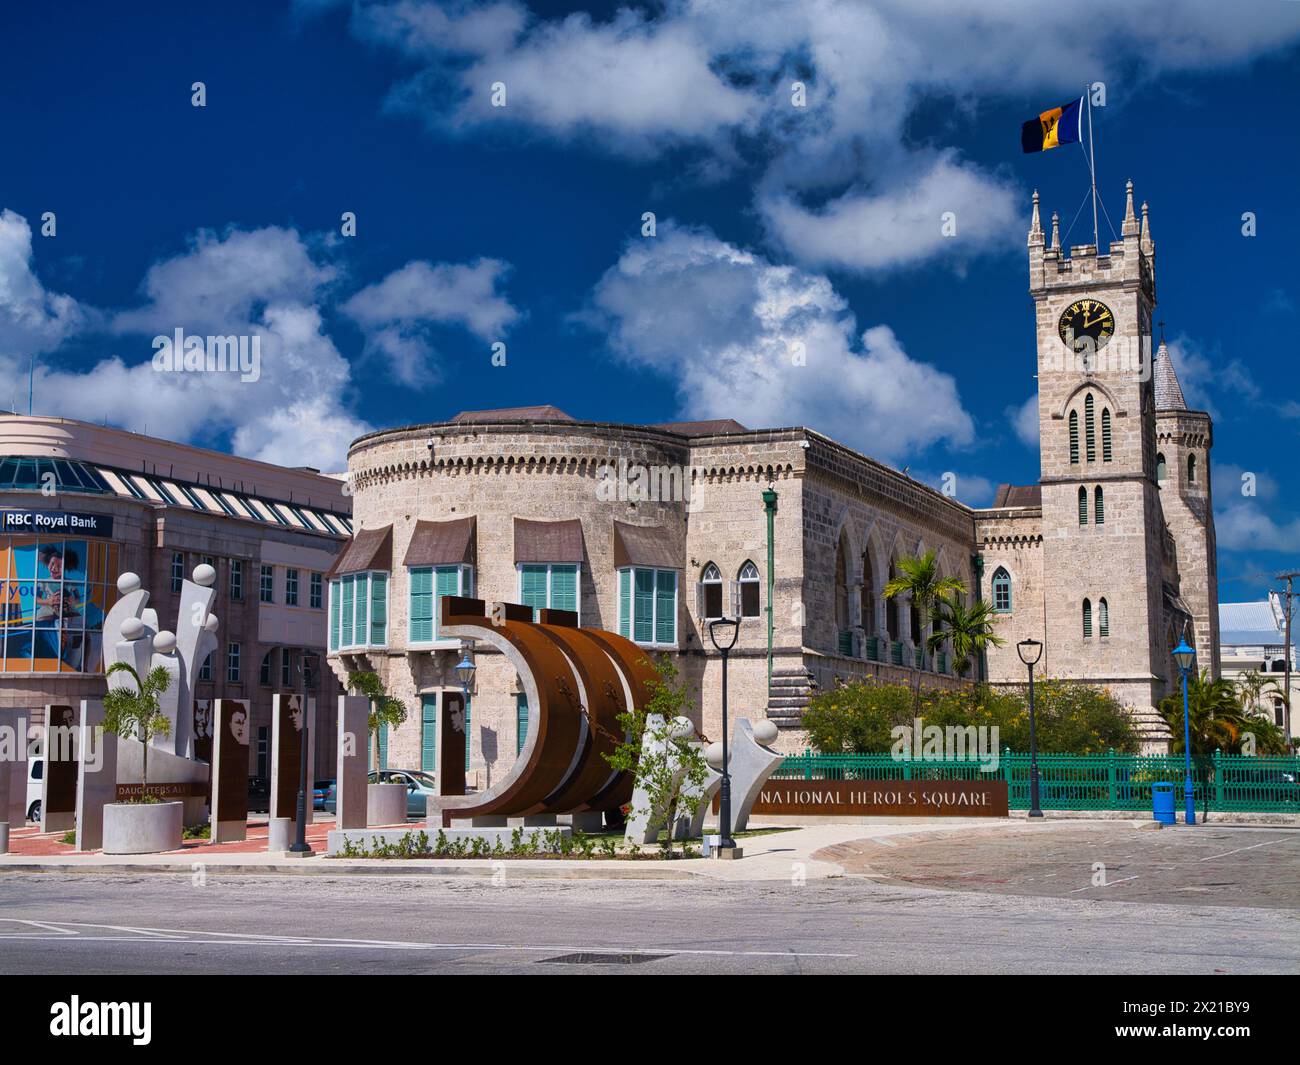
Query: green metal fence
[(1082, 782)]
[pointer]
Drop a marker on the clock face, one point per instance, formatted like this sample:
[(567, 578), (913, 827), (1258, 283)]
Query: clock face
[(1086, 318)]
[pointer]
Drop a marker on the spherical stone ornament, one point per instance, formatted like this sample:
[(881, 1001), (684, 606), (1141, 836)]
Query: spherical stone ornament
[(204, 575), (165, 642), (765, 732), (713, 755), (680, 728), (132, 628), (128, 583), (211, 623)]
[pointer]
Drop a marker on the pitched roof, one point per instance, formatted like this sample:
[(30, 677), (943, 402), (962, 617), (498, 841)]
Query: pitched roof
[(544, 413), (1019, 495), (709, 427), (1253, 624), (1169, 394)]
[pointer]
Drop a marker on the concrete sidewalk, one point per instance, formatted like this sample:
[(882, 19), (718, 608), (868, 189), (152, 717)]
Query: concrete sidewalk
[(776, 856)]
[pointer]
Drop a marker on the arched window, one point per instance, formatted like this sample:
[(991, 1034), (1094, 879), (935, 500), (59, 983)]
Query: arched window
[(1103, 617), (1089, 429), (1098, 506), (1191, 469), (1087, 619), (893, 616), (1083, 505), (868, 605), (749, 590), (1001, 591), (1162, 468), (1074, 437), (1105, 435), (841, 585), (710, 592)]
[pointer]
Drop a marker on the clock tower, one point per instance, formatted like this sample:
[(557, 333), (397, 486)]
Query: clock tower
[(1107, 579)]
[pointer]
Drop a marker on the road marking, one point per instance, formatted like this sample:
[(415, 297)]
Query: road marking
[(1110, 883), (179, 935), (1266, 843)]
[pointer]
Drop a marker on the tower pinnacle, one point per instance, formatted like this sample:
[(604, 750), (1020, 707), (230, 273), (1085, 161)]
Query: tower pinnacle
[(1035, 225), (1130, 228)]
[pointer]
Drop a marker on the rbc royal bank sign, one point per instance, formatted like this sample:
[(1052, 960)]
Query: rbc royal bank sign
[(55, 522)]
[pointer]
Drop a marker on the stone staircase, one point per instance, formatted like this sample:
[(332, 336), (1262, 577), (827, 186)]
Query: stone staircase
[(788, 694)]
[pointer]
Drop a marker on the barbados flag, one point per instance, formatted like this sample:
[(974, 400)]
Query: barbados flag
[(1060, 125)]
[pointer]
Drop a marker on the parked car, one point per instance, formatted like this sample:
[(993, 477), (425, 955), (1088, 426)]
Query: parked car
[(35, 774), (259, 794), (419, 787), (319, 791)]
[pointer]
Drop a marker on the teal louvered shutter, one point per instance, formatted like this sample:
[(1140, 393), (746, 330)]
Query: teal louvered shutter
[(347, 588), (379, 609), (564, 587), (1099, 507), (625, 603), (468, 734), (643, 605), (383, 748), (521, 720), (334, 615), (361, 601), (429, 733), (446, 582), (665, 606), (1087, 618), (420, 626), (532, 587)]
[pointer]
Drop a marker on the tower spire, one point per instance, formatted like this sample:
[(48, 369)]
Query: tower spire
[(1147, 245), (1035, 225), (1169, 393), (1056, 232), (1130, 227)]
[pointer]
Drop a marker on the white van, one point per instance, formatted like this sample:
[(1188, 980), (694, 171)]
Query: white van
[(35, 773)]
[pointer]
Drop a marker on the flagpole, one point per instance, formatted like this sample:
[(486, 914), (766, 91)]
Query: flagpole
[(1092, 169)]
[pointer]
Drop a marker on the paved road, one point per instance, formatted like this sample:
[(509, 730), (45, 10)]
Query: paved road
[(270, 924), (1107, 861)]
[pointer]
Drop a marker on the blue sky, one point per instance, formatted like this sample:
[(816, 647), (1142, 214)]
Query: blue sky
[(780, 229)]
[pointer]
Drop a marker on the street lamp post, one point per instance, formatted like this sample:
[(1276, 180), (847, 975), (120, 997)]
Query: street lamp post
[(1185, 656), (723, 632), (300, 829), (465, 670), (1030, 652)]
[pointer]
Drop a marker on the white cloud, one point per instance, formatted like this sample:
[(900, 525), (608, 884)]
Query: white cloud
[(1248, 526), (397, 312), (769, 345), (32, 319), (1232, 480), (947, 209), (264, 283), (1024, 420)]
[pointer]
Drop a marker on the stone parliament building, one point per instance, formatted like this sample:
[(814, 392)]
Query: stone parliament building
[(650, 530)]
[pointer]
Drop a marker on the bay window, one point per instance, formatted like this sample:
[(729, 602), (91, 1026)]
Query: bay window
[(548, 586), (427, 585), (359, 611), (647, 605)]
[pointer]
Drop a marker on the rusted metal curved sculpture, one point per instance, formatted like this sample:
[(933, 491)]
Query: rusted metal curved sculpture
[(577, 681)]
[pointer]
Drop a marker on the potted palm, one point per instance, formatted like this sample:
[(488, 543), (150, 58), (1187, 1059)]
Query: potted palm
[(140, 824), (385, 803)]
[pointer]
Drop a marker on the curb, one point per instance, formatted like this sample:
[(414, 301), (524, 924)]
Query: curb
[(380, 867)]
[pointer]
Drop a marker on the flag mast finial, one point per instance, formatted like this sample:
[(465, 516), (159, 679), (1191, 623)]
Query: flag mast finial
[(1092, 168)]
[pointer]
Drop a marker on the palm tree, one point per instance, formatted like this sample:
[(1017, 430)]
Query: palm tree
[(970, 628), (1215, 721), (384, 709), (1253, 685), (919, 577), (136, 714)]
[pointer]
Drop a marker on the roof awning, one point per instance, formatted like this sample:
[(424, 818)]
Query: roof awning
[(548, 541), (641, 545), (368, 549), (441, 543)]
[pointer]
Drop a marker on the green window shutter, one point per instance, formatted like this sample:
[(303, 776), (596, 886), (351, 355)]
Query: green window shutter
[(1089, 429), (334, 615), (360, 601), (429, 733), (1087, 618), (625, 603), (1103, 618), (665, 606), (643, 605), (379, 609), (1099, 507), (446, 582), (564, 587), (420, 626), (521, 720), (1105, 435), (1074, 437), (1083, 506), (383, 746), (532, 586), (347, 587)]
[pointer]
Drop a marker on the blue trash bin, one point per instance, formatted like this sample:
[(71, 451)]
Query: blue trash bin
[(1162, 803)]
